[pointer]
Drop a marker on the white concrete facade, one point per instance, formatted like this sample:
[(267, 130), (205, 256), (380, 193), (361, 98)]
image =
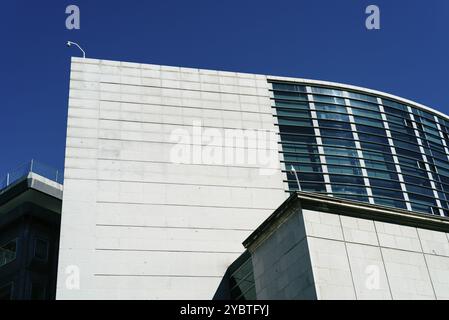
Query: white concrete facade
[(313, 254), (136, 225)]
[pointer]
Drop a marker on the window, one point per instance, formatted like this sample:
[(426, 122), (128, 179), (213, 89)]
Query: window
[(377, 147), (417, 180), (346, 179), (420, 199), (372, 138), (390, 202), (421, 208), (308, 186), (394, 127), (366, 113), (446, 136), (348, 189), (293, 112), (310, 177), (8, 252), (332, 116), (296, 130), (382, 174), (394, 104), (419, 190), (292, 105), (421, 165), (334, 124), (326, 99), (336, 134), (429, 123), (338, 142), (419, 126), (370, 130), (377, 156), (308, 158), (434, 211), (294, 121), (406, 137), (327, 91), (300, 148), (406, 145), (385, 193), (41, 249), (396, 112), (342, 161), (443, 164), (344, 170), (340, 152), (330, 108), (6, 292), (433, 168), (304, 167), (368, 122), (408, 153), (353, 197), (298, 138), (379, 165), (387, 184), (288, 87), (408, 123), (290, 95), (360, 96), (423, 113), (38, 291)]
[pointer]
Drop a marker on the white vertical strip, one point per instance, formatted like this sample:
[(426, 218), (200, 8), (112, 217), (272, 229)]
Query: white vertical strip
[(359, 150), (442, 137), (393, 152), (443, 140), (424, 157), (319, 142)]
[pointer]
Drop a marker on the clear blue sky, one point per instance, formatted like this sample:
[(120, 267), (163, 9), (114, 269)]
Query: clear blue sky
[(315, 39)]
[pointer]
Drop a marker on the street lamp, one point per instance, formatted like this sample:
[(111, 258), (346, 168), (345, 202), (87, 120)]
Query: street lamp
[(296, 176), (69, 44)]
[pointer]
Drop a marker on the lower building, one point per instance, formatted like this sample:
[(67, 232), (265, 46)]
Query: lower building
[(318, 247), (30, 216)]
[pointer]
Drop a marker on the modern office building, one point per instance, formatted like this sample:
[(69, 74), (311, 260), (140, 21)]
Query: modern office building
[(169, 169), (30, 216)]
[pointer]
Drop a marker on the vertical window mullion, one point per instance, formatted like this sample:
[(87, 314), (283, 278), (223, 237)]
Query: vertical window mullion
[(424, 157), (359, 148), (319, 141), (395, 158)]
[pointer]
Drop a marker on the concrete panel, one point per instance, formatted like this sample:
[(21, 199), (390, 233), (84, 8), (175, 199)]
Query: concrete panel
[(434, 242), (359, 230), (322, 225), (408, 275), (398, 236), (331, 270), (368, 272), (439, 273)]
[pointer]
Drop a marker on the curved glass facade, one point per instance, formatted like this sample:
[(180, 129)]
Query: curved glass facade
[(365, 147)]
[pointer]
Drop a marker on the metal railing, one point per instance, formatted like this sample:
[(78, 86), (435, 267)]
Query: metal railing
[(23, 170)]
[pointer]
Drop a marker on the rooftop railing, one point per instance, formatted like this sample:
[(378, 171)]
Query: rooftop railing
[(25, 169)]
